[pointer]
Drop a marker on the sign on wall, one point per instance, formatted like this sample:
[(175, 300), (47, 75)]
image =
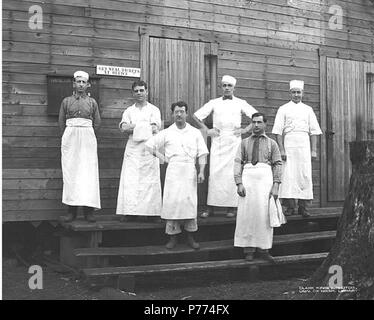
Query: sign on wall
[(118, 71)]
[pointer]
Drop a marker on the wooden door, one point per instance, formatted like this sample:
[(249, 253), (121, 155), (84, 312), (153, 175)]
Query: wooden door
[(180, 70), (349, 116)]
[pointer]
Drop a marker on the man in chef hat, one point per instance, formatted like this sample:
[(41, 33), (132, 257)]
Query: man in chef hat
[(79, 118), (226, 137), (296, 127)]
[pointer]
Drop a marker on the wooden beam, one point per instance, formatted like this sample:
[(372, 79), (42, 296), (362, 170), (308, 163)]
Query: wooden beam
[(323, 115), (144, 55), (205, 246), (200, 266)]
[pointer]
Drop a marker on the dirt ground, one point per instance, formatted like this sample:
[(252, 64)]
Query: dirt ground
[(24, 246), (65, 285)]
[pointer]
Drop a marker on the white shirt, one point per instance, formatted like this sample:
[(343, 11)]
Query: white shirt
[(296, 117), (227, 114), (179, 142), (149, 113)]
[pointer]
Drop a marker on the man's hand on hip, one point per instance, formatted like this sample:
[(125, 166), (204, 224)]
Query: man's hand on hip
[(200, 177), (239, 131), (154, 128), (213, 132)]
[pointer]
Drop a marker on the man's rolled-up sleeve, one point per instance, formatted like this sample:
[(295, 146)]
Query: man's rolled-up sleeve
[(96, 115), (204, 111), (276, 162), (238, 164), (125, 118)]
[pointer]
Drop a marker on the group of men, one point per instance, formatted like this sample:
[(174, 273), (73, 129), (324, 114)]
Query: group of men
[(244, 174)]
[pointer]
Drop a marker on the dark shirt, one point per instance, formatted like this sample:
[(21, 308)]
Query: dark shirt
[(267, 155), (77, 106)]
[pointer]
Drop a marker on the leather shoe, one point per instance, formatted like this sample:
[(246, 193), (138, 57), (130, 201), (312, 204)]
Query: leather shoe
[(303, 212), (172, 242), (192, 243), (123, 218), (248, 256), (90, 217), (289, 212), (265, 256), (70, 217)]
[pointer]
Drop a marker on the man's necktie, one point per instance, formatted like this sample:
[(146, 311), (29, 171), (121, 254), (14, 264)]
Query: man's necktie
[(227, 97), (255, 150)]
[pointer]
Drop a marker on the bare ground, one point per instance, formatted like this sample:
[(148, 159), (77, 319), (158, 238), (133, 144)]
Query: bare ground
[(64, 285)]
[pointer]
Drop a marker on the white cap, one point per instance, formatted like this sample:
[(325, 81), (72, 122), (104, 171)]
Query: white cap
[(297, 84), (81, 74), (229, 79)]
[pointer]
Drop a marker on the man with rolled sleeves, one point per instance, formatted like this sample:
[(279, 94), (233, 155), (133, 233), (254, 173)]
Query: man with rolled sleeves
[(183, 145), (79, 118), (257, 173), (296, 127), (139, 192), (226, 137)]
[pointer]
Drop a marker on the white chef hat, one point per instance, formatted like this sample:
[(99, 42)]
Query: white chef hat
[(229, 79), (81, 74), (297, 84)]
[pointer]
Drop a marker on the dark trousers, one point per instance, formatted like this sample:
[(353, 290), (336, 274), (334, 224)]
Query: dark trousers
[(74, 210), (291, 203), (253, 249), (210, 209)]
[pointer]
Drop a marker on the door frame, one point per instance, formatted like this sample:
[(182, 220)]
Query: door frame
[(325, 127), (211, 64), (323, 124), (145, 34)]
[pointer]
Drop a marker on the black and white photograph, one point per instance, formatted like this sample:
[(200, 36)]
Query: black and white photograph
[(189, 155)]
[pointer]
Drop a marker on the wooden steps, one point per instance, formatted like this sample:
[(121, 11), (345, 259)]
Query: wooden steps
[(199, 266), (114, 253), (204, 246), (111, 222)]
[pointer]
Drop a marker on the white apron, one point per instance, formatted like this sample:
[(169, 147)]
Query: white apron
[(80, 168), (222, 187), (297, 170), (139, 190), (180, 189), (253, 222)]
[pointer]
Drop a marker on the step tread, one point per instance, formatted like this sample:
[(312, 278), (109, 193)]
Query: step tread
[(204, 246), (196, 266), (113, 223)]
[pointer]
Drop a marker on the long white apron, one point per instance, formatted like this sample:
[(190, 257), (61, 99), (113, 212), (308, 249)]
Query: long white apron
[(180, 189), (139, 190), (253, 221), (222, 187), (80, 167), (297, 170)]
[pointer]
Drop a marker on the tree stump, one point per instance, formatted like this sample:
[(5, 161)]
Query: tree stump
[(353, 250)]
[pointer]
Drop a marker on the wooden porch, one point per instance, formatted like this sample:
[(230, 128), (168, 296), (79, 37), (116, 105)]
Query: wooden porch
[(114, 253)]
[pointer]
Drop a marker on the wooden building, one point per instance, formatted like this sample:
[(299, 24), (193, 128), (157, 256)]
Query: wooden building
[(183, 47)]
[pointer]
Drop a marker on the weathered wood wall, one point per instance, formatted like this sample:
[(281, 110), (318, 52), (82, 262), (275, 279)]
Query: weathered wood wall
[(263, 43)]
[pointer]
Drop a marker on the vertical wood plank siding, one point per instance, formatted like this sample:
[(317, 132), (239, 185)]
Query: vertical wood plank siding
[(347, 93), (263, 43)]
